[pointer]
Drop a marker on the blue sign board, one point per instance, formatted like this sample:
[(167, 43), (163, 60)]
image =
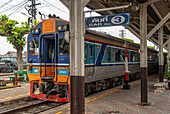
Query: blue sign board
[(108, 20)]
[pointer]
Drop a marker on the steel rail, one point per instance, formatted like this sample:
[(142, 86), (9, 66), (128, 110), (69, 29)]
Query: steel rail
[(22, 107), (19, 109)]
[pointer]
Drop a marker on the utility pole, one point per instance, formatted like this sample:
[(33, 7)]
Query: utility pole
[(32, 10), (122, 33)]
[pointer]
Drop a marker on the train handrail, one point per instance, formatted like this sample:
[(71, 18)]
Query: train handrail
[(41, 36)]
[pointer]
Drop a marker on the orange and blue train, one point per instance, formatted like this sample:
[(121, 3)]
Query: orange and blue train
[(48, 61)]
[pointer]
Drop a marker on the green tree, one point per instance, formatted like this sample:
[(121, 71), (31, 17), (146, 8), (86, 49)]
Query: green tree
[(15, 35), (130, 40), (151, 47)]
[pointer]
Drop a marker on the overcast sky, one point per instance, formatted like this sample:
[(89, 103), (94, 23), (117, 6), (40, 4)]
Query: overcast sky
[(13, 9)]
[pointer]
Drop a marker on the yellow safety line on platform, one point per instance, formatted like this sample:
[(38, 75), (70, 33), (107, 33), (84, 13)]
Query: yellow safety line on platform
[(107, 93), (59, 112)]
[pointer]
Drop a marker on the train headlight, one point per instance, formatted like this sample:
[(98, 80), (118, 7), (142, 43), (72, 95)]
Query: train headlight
[(36, 30), (64, 27), (32, 30), (59, 27)]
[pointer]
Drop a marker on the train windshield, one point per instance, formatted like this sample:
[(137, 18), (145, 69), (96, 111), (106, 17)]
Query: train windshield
[(63, 47), (34, 47)]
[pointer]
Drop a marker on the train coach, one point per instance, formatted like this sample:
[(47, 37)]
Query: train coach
[(48, 61)]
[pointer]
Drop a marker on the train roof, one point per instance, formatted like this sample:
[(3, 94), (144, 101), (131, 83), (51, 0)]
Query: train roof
[(94, 32)]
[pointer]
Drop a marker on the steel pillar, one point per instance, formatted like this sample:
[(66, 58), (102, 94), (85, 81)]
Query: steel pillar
[(161, 56), (169, 49), (143, 54), (77, 56)]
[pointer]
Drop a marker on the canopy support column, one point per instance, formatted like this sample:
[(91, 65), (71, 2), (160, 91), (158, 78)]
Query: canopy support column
[(169, 48), (143, 54), (77, 71), (161, 56)]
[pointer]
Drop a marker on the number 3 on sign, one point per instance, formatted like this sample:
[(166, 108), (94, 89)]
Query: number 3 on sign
[(118, 20)]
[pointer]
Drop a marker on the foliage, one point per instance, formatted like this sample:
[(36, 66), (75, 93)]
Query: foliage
[(138, 43), (15, 34), (13, 31), (130, 40), (151, 47), (166, 73)]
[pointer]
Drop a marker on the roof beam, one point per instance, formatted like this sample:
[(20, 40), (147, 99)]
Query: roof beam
[(134, 32), (65, 3), (111, 8), (101, 5), (154, 41), (162, 22), (159, 15), (151, 2), (85, 2), (168, 41), (134, 27)]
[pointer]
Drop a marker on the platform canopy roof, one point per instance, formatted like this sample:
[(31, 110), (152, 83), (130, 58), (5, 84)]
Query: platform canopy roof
[(158, 12)]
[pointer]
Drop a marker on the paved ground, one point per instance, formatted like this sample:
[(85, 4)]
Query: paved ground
[(15, 93), (121, 101)]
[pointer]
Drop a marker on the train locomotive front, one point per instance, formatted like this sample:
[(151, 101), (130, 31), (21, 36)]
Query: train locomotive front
[(48, 61)]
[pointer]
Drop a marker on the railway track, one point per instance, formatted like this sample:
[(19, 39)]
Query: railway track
[(22, 108), (34, 107)]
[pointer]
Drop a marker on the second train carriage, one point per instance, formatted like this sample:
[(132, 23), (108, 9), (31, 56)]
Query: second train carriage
[(48, 61)]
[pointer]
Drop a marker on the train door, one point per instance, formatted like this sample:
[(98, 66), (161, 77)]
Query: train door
[(48, 58)]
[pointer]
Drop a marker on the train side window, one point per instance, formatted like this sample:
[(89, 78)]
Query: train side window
[(113, 55), (149, 57), (132, 56), (124, 55), (63, 47), (33, 47), (108, 54), (138, 57), (85, 51), (91, 52), (117, 55), (51, 50)]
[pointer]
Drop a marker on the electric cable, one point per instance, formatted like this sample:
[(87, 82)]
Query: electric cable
[(56, 7), (19, 7), (53, 10), (5, 4), (10, 8)]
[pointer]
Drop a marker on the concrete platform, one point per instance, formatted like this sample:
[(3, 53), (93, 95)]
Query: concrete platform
[(121, 101), (15, 93)]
